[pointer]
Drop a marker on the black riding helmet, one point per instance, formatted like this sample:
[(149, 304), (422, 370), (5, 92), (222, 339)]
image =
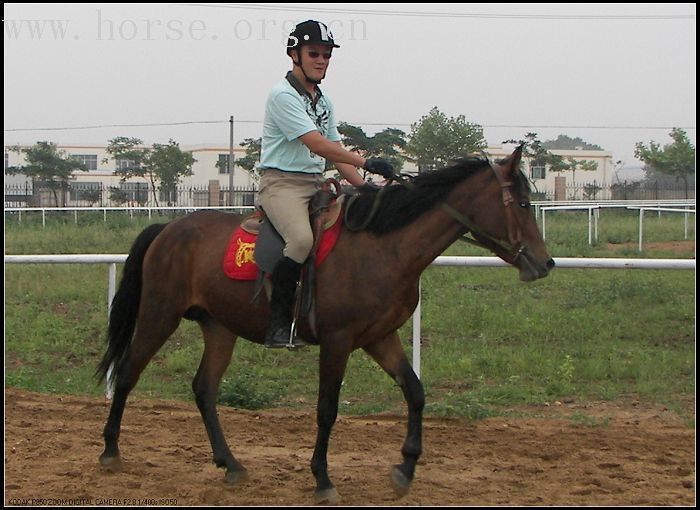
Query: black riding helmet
[(309, 32)]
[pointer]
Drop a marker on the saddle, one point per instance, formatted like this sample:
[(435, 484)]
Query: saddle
[(329, 215), (324, 213)]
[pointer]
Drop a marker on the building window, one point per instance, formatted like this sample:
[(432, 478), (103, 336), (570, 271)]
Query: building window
[(222, 164), (125, 164), (538, 172), (89, 160)]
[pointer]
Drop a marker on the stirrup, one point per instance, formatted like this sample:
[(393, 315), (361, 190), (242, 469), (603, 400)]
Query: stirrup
[(291, 343), (295, 341)]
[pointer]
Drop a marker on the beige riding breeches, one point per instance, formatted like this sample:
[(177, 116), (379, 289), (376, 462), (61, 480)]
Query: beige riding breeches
[(285, 198)]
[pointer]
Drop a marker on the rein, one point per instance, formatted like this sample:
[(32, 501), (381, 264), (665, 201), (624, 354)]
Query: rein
[(375, 206), (515, 248)]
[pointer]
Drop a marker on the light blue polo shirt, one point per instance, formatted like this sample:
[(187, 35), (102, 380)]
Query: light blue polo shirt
[(290, 113)]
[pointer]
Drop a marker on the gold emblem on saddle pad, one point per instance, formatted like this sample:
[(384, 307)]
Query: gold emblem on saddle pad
[(244, 253)]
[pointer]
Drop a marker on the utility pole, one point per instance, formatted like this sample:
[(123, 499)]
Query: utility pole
[(231, 163)]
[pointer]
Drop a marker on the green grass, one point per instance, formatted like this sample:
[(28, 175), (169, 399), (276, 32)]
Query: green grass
[(567, 232), (490, 342)]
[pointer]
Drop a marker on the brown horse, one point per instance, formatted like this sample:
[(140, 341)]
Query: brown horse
[(365, 290)]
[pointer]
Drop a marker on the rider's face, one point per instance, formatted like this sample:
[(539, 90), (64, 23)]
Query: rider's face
[(315, 58)]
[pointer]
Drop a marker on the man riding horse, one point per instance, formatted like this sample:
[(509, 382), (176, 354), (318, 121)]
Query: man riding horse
[(299, 134)]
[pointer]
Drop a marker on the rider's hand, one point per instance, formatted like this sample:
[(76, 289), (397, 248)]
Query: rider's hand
[(380, 167)]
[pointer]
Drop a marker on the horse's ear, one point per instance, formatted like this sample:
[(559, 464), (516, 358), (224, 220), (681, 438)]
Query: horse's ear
[(515, 157)]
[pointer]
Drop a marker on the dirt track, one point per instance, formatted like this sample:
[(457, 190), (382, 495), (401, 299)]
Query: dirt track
[(631, 456)]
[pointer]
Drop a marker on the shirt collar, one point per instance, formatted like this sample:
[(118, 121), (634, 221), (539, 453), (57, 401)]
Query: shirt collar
[(294, 82)]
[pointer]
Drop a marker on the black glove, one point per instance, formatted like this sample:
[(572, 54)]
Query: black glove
[(380, 167)]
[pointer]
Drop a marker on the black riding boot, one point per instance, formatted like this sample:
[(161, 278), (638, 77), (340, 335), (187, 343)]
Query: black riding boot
[(284, 283)]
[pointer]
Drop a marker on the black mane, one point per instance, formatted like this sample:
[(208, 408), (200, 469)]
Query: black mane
[(400, 205)]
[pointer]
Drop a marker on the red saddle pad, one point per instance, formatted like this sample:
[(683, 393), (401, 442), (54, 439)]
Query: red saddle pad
[(239, 259)]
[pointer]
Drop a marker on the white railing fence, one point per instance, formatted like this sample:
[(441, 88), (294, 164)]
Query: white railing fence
[(593, 209), (541, 208), (561, 263)]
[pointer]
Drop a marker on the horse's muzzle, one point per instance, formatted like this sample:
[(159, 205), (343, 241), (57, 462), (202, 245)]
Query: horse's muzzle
[(531, 268)]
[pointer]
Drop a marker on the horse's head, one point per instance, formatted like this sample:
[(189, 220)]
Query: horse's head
[(509, 225)]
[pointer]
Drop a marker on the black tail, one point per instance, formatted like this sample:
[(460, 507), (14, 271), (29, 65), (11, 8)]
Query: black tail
[(125, 306)]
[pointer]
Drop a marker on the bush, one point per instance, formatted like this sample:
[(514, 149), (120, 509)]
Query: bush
[(246, 392)]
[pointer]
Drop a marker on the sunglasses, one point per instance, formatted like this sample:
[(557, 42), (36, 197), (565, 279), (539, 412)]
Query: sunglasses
[(316, 54)]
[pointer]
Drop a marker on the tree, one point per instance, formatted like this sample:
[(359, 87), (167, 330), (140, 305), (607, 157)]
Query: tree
[(169, 163), (387, 144), (92, 196), (164, 163), (436, 139), (590, 191), (579, 164), (118, 195), (539, 155), (676, 159), (249, 162), (564, 142), (47, 165)]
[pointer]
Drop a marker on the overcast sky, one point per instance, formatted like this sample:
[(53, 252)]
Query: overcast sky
[(612, 74)]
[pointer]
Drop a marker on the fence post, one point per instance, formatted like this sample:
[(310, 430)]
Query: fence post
[(111, 291), (560, 187), (544, 225), (214, 192), (416, 334)]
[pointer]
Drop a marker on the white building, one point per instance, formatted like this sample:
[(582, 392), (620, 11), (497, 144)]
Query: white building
[(101, 168), (567, 185), (206, 175)]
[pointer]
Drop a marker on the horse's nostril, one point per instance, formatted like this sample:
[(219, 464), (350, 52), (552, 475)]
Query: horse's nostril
[(550, 264)]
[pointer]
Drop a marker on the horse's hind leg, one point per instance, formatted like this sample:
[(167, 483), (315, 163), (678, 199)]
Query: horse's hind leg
[(391, 357), (150, 335), (218, 346)]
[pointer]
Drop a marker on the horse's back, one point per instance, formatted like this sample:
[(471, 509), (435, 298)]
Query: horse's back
[(189, 247), (196, 231)]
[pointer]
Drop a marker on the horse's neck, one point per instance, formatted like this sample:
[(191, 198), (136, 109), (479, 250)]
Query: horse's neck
[(423, 240), (429, 237)]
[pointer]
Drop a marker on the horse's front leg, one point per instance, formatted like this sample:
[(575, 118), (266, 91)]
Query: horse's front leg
[(391, 357), (333, 360)]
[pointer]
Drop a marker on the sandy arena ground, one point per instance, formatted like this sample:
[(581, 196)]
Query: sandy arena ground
[(611, 454)]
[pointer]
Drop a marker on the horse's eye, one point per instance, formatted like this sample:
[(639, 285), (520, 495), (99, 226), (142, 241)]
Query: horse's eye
[(524, 205)]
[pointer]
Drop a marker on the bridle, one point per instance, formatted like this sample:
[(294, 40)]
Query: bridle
[(514, 247)]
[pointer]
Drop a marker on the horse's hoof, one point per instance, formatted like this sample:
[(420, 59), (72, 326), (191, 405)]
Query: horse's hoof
[(400, 482), (234, 477), (327, 497), (111, 464)]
